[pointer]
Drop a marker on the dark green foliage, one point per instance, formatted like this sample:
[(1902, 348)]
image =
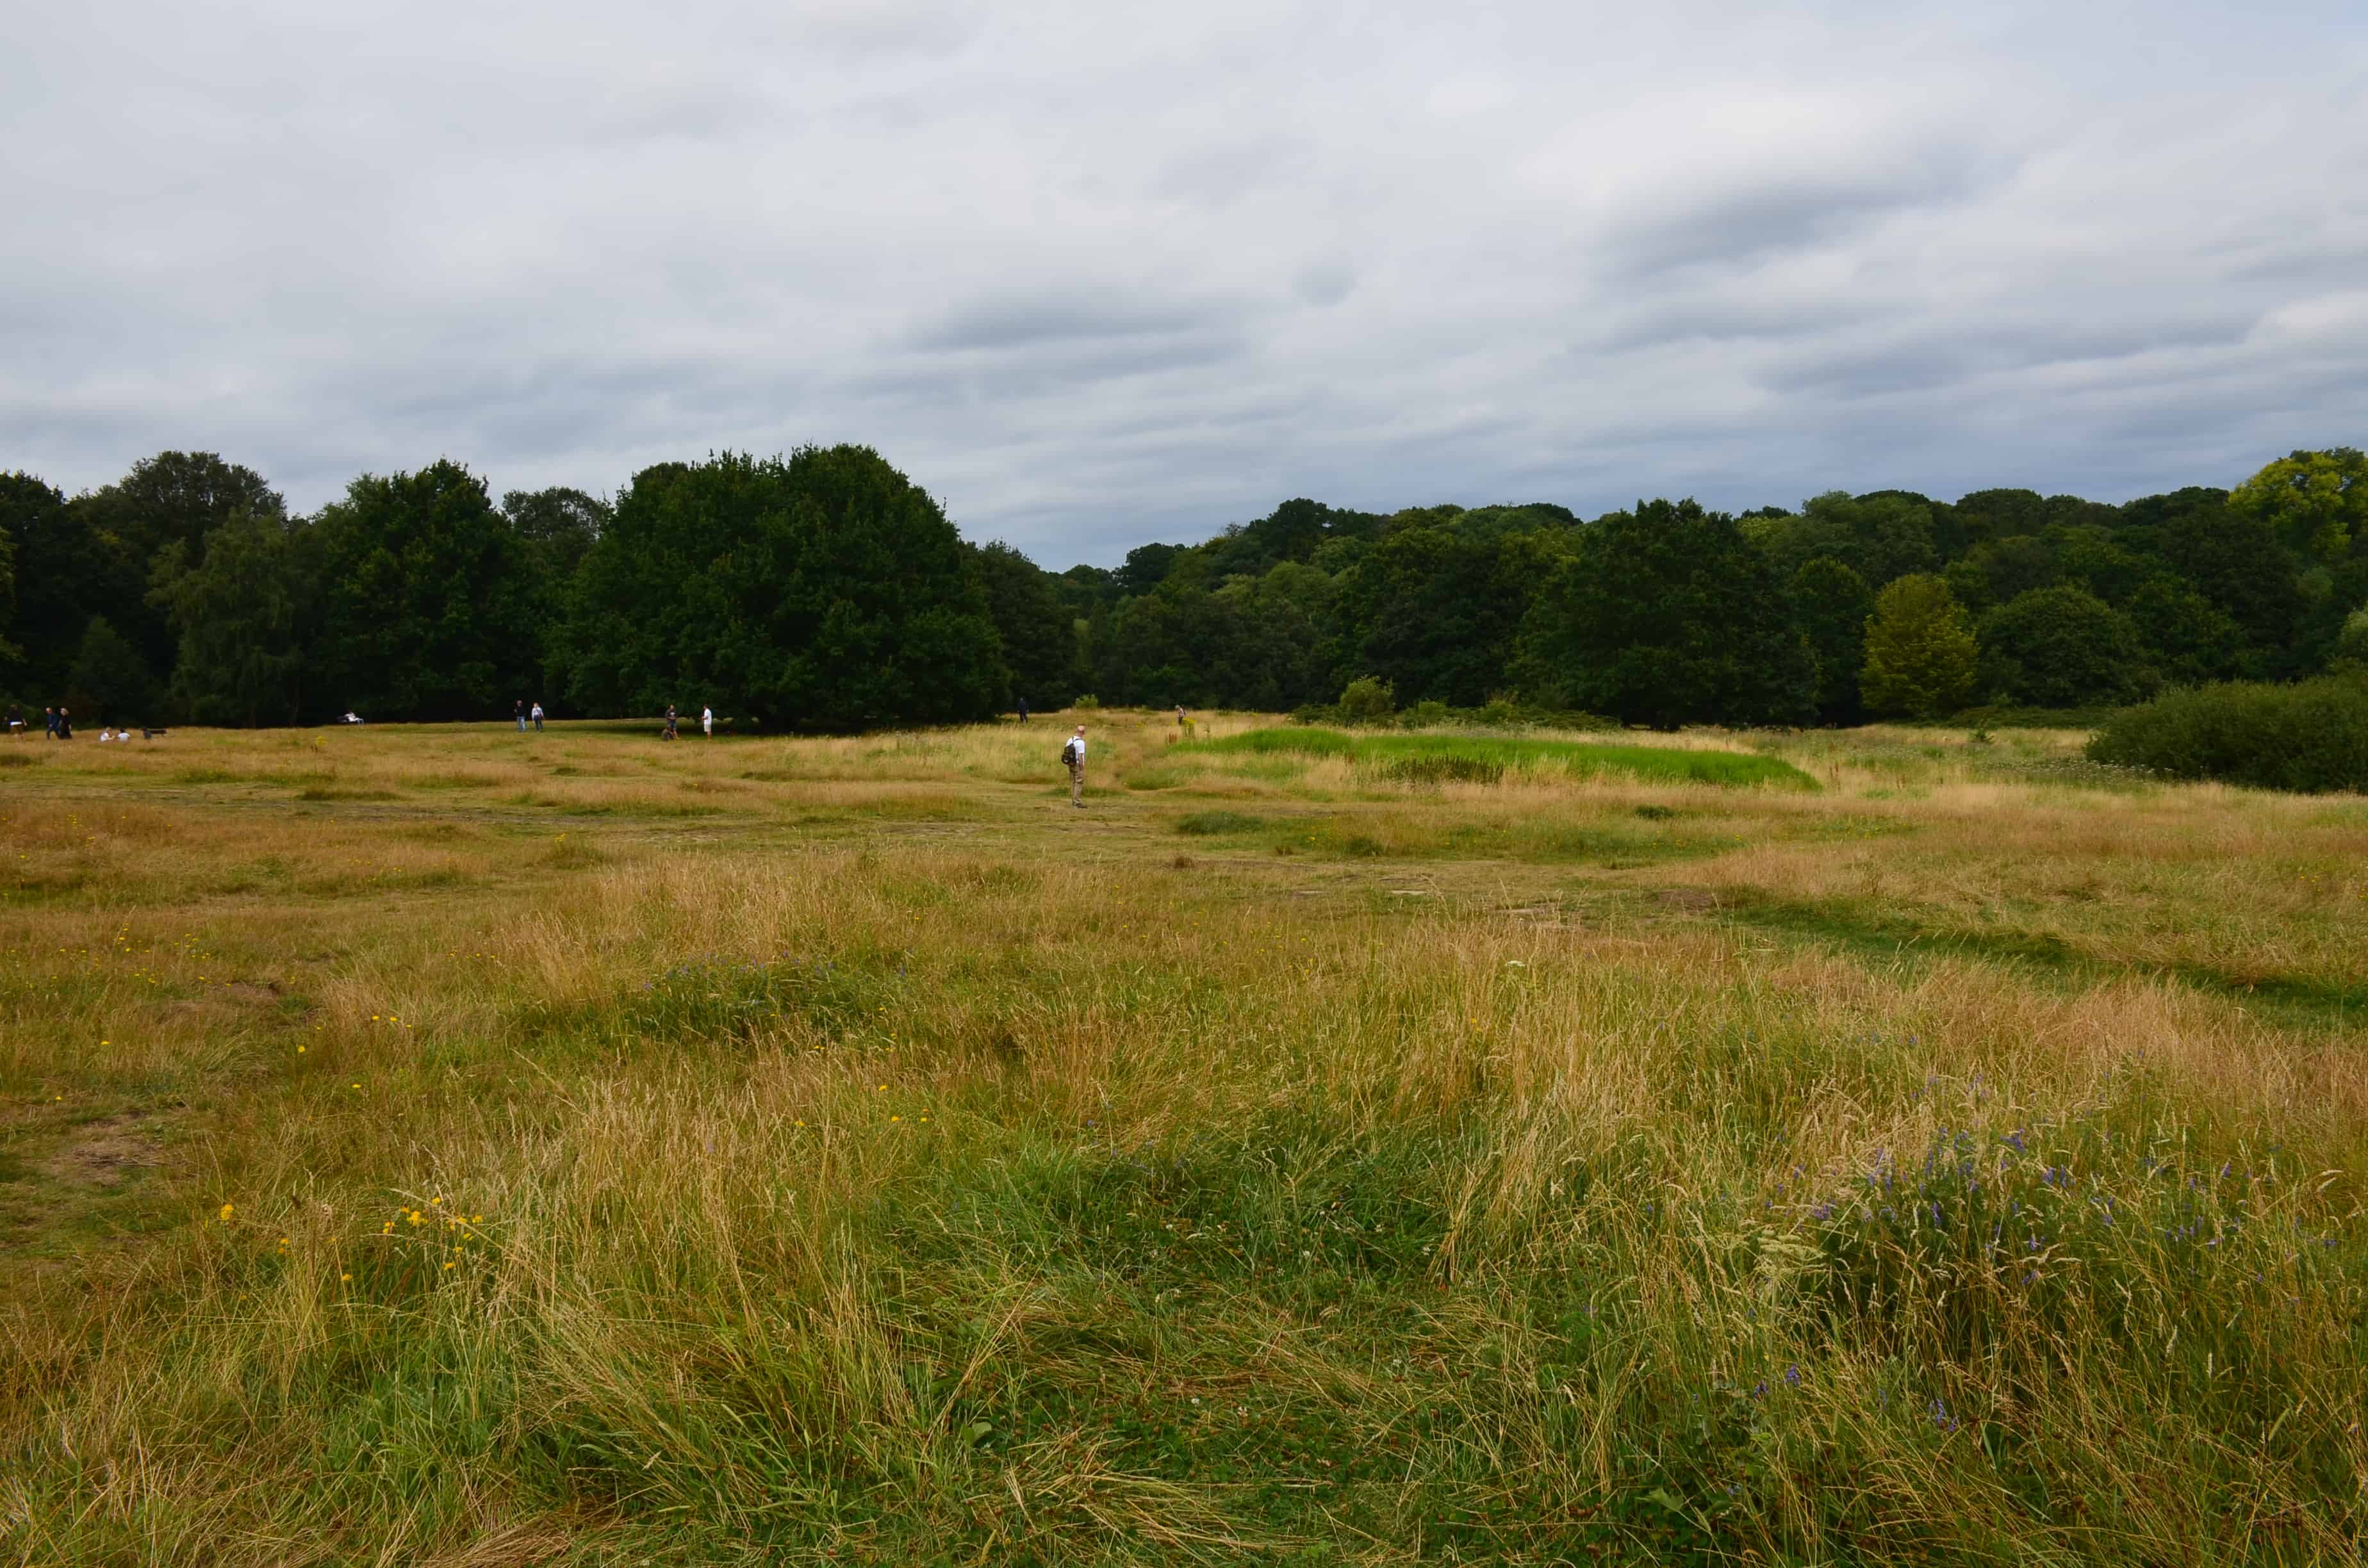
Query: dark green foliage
[(427, 599), (2187, 638), (1442, 609), (65, 570), (172, 498), (2309, 736), (247, 618), (825, 591), (1039, 641), (110, 683), (2234, 560), (2061, 647), (1830, 604), (1667, 617)]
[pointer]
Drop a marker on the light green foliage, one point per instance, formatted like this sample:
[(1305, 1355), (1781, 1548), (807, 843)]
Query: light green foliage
[(2317, 501), (1920, 652), (1367, 699)]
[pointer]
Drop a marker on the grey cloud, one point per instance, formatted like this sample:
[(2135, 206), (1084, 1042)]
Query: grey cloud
[(1785, 210), (1095, 275)]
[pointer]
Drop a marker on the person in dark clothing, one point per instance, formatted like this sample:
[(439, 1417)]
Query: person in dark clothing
[(49, 721)]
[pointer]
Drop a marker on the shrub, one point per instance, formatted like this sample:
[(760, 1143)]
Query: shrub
[(1088, 703), (2310, 736), (1368, 700)]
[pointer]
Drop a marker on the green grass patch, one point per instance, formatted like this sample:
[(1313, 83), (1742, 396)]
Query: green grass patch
[(1488, 759), (1211, 824)]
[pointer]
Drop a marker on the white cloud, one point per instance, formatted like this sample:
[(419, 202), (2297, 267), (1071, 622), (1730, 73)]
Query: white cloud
[(1097, 274)]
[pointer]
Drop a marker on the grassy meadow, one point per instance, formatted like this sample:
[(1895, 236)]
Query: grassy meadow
[(450, 1146)]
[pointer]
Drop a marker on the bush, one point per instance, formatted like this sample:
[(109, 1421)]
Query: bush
[(2310, 736), (1368, 700)]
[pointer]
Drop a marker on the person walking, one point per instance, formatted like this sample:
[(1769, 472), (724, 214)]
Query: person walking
[(707, 721), (16, 721), (1073, 755), (537, 716), (520, 706), (49, 721), (1023, 710), (670, 723)]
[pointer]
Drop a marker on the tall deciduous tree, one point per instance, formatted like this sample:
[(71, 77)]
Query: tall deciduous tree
[(2062, 647), (1667, 616), (428, 598), (171, 498), (825, 591), (1920, 652), (1040, 639), (109, 682), (1830, 603), (245, 615), (2316, 502)]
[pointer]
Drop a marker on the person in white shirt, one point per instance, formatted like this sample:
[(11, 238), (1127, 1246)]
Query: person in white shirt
[(707, 722), (536, 714), (1073, 754)]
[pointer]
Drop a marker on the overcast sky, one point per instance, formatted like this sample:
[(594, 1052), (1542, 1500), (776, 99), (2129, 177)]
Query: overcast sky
[(1099, 273)]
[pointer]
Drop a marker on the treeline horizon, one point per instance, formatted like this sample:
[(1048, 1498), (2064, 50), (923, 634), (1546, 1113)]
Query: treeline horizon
[(824, 590)]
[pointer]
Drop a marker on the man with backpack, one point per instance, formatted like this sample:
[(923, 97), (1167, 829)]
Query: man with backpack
[(1073, 757)]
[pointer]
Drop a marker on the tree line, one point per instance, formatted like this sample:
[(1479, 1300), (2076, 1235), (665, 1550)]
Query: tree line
[(824, 590)]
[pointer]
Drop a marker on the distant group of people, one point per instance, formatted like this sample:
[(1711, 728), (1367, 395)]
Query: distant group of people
[(58, 724), (530, 715), (674, 721)]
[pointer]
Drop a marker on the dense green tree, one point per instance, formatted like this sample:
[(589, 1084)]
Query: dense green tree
[(2088, 556), (1439, 612), (2187, 638), (65, 569), (429, 599), (1920, 652), (1878, 537), (1830, 604), (559, 527), (1987, 515), (1147, 566), (171, 498), (10, 653), (1038, 631), (2061, 647), (2000, 569), (2314, 503), (825, 591), (109, 682), (1668, 615), (2234, 559), (246, 615)]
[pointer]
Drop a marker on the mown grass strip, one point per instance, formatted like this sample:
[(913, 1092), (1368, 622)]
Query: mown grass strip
[(1477, 758)]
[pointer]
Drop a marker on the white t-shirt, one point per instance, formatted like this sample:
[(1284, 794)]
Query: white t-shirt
[(1078, 746)]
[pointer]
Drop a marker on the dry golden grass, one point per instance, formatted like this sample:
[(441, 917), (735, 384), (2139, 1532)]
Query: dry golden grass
[(454, 1146)]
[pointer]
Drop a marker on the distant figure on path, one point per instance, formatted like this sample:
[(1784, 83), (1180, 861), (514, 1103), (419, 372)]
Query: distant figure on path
[(66, 726), (1023, 710), (15, 719), (537, 716), (1074, 755), (520, 706), (707, 721), (670, 733), (50, 717)]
